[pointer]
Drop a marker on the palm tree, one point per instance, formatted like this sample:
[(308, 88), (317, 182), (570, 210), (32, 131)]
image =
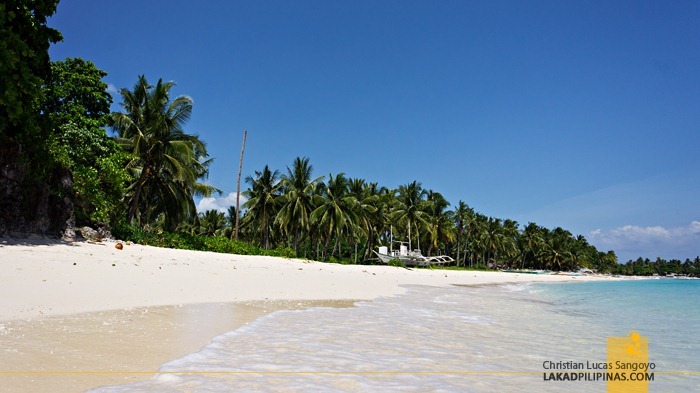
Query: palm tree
[(493, 240), (477, 243), (409, 209), (366, 198), (459, 215), (554, 254), (530, 240), (297, 199), (263, 202), (439, 220), (510, 248), (211, 222), (336, 210), (378, 221), (166, 161)]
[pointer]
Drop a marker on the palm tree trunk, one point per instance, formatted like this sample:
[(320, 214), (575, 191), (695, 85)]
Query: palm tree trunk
[(458, 245), (325, 247), (296, 238), (368, 246), (409, 235), (418, 236), (238, 184), (133, 208), (266, 234)]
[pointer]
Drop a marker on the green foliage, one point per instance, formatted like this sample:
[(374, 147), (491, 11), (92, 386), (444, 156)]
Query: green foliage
[(134, 233), (211, 223), (24, 68), (99, 179), (185, 241), (263, 202), (77, 93), (166, 161), (397, 263), (285, 252), (472, 268), (78, 105), (24, 65), (660, 267)]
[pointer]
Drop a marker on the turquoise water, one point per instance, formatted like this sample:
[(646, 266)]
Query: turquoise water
[(471, 339), (667, 311)]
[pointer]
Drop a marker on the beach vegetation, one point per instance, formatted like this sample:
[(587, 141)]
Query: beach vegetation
[(335, 213), (297, 200), (25, 68), (211, 223), (186, 241), (263, 203), (77, 103), (342, 219), (33, 183), (166, 162), (396, 262)]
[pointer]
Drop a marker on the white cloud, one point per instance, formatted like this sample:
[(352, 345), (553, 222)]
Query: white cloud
[(111, 89), (631, 241), (221, 203)]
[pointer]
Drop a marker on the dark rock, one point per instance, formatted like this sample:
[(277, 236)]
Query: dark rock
[(30, 206), (11, 177), (90, 234), (104, 230)]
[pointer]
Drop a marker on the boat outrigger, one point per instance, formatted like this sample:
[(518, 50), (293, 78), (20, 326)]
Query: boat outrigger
[(411, 258)]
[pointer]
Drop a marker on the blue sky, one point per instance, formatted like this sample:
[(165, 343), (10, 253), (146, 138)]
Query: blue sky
[(579, 114)]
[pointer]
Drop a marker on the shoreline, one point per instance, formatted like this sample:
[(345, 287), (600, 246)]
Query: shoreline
[(81, 315), (84, 351)]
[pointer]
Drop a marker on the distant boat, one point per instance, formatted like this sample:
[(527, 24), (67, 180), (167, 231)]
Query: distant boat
[(411, 258)]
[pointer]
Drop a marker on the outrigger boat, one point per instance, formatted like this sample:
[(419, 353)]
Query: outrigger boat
[(411, 258)]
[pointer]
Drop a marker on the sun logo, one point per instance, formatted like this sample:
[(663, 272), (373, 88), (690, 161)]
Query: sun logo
[(634, 344)]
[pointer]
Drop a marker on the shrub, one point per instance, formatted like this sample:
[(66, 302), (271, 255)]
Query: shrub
[(185, 241), (396, 262)]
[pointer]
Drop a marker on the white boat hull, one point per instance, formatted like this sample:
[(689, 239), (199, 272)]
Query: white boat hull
[(416, 260)]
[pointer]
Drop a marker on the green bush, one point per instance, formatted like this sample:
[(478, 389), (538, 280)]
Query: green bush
[(185, 241), (133, 233), (286, 252), (397, 263)]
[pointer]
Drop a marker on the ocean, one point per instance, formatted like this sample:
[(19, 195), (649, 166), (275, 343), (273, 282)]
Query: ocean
[(451, 339)]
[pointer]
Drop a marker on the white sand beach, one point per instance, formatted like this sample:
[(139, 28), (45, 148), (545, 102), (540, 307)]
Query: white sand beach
[(79, 315)]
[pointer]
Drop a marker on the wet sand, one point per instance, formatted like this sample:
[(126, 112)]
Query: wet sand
[(78, 352)]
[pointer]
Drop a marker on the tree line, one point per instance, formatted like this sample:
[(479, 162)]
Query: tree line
[(336, 217)]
